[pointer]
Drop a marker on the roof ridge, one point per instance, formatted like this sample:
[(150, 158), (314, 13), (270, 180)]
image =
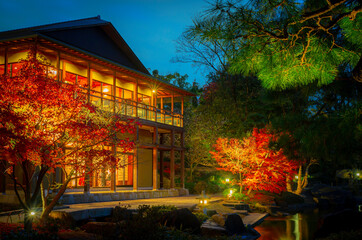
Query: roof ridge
[(53, 24)]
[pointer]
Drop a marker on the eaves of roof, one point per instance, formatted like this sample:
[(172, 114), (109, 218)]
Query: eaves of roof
[(149, 77)]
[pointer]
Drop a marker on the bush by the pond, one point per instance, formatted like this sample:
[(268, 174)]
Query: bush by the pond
[(201, 216)]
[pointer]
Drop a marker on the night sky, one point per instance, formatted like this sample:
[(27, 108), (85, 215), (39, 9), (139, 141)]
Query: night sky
[(150, 27)]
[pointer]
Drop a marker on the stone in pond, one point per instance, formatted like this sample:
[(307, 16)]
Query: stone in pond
[(234, 225), (182, 219)]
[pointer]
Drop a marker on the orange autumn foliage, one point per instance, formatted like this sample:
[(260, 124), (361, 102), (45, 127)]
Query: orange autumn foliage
[(259, 167)]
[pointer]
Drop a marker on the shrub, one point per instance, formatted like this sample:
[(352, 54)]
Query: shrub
[(120, 213), (201, 216)]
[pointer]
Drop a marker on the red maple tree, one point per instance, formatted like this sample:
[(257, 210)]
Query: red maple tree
[(45, 124), (258, 166)]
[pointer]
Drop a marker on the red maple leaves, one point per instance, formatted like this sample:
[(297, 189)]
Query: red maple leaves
[(49, 123), (258, 166)]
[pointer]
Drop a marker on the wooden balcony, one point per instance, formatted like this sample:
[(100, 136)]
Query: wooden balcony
[(131, 108)]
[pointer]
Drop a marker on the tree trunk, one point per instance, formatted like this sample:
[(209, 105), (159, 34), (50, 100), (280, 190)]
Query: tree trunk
[(299, 186), (54, 201), (43, 197), (289, 185), (28, 221)]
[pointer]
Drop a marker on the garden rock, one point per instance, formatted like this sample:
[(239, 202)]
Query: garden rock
[(234, 225), (106, 229), (182, 219), (212, 229), (327, 196), (288, 198), (219, 219), (63, 218)]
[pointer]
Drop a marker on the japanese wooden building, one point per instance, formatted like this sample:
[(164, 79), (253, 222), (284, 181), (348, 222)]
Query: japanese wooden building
[(91, 53)]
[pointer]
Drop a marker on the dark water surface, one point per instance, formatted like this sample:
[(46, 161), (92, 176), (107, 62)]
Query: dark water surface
[(300, 226)]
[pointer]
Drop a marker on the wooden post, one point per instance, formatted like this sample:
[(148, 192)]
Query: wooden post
[(63, 72), (161, 162), (172, 160), (136, 95), (182, 161), (154, 168), (89, 80), (135, 170), (172, 119), (154, 158), (135, 161), (114, 92), (182, 112), (58, 65), (6, 61)]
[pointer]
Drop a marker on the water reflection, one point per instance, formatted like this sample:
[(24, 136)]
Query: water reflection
[(300, 226)]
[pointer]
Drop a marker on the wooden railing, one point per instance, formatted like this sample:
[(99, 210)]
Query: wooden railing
[(133, 109)]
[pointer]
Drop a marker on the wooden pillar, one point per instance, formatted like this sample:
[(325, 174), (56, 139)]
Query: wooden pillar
[(6, 61), (135, 170), (161, 161), (89, 79), (172, 108), (58, 65), (114, 92), (182, 113), (154, 168), (154, 158), (63, 71), (136, 96), (172, 160), (182, 106), (135, 161), (182, 161), (162, 113)]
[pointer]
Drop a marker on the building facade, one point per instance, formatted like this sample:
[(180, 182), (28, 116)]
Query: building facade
[(91, 53)]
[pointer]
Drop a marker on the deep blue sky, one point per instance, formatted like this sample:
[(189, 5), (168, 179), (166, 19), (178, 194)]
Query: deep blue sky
[(150, 27)]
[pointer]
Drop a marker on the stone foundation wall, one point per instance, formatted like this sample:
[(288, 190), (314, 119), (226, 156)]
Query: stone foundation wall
[(79, 197)]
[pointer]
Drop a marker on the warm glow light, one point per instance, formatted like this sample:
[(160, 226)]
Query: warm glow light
[(153, 90), (231, 193), (296, 177), (227, 180), (32, 213), (106, 90), (201, 201), (205, 201)]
